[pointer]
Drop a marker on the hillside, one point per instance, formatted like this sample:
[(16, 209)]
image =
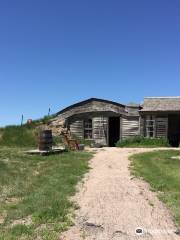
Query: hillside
[(25, 135)]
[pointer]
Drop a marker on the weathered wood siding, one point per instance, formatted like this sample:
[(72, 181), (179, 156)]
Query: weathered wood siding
[(132, 110), (100, 130), (94, 106), (161, 127), (77, 128), (130, 127), (142, 126)]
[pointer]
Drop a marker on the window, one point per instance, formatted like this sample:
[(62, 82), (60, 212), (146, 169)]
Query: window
[(150, 127), (88, 129)]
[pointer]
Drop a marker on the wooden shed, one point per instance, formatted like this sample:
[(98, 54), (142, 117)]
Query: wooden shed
[(102, 121), (160, 118)]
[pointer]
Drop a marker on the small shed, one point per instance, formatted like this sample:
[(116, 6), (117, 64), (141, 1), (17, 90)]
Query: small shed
[(160, 118), (101, 121)]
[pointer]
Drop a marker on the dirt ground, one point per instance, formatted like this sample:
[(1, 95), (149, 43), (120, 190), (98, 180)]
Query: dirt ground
[(113, 204)]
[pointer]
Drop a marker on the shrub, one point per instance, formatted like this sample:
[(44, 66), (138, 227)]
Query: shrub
[(46, 119), (86, 142), (57, 140), (139, 141)]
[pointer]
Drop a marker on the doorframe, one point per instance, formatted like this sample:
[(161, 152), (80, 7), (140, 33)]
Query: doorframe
[(120, 128), (108, 132)]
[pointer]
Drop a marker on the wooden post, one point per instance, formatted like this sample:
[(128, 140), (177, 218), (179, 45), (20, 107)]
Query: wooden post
[(49, 111), (22, 118)]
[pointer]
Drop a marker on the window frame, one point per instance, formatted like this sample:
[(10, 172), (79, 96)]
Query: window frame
[(150, 127), (88, 129)]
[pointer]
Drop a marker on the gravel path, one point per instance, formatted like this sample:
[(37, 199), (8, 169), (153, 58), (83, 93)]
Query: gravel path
[(113, 204)]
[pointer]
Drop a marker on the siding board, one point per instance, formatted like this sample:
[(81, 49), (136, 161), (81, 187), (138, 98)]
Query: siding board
[(161, 127), (100, 127), (77, 128), (130, 127)]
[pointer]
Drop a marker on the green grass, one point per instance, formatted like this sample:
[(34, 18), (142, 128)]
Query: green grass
[(20, 136), (38, 187), (23, 136), (163, 174), (139, 141)]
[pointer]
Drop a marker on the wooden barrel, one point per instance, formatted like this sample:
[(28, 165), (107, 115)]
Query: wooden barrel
[(45, 140)]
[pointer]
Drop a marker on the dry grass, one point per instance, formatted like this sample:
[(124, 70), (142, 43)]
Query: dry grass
[(37, 205)]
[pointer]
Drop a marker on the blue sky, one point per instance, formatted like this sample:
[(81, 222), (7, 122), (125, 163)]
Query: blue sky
[(54, 53)]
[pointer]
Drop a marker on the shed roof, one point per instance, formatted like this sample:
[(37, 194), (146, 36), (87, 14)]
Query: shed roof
[(98, 105), (162, 104), (87, 101)]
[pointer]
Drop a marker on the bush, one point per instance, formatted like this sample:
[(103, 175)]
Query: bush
[(46, 119), (86, 142), (139, 141), (57, 140)]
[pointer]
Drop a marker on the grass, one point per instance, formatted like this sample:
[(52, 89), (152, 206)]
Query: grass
[(22, 136), (139, 141), (37, 188), (163, 174)]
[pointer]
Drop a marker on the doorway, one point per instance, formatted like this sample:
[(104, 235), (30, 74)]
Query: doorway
[(174, 130), (114, 130)]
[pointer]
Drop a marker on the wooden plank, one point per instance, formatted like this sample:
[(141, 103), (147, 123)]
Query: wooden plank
[(161, 127), (100, 129), (130, 127), (77, 128)]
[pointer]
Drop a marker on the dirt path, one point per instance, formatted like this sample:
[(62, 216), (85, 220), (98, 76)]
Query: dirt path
[(113, 203)]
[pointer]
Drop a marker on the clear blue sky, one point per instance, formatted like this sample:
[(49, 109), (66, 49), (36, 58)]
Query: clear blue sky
[(54, 53)]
